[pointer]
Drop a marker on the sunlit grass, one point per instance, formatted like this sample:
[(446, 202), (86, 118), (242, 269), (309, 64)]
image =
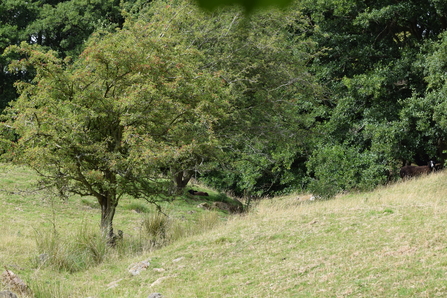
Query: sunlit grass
[(391, 242), (48, 241)]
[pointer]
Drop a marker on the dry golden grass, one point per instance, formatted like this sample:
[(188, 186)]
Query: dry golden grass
[(388, 243)]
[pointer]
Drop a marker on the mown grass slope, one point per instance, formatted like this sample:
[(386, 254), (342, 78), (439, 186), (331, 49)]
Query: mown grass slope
[(388, 243)]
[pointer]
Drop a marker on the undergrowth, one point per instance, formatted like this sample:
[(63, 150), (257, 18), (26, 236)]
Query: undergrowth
[(86, 247), (71, 252)]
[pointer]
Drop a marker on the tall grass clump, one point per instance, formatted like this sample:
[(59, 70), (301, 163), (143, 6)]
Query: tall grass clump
[(72, 252), (159, 230), (46, 289), (86, 247), (154, 228)]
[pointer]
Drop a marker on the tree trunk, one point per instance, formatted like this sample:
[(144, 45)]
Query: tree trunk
[(108, 208), (181, 179)]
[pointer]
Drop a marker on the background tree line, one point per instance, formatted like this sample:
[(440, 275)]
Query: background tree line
[(326, 96)]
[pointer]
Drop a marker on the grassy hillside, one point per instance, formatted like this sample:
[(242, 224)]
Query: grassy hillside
[(388, 243)]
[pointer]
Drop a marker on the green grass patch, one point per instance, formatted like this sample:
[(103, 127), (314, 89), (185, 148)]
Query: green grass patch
[(138, 207), (386, 243), (90, 202)]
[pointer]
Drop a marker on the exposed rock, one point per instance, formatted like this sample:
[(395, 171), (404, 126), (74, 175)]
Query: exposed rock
[(155, 295), (14, 282), (136, 268), (7, 294)]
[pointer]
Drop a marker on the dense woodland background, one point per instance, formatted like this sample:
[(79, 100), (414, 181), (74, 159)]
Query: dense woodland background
[(326, 96)]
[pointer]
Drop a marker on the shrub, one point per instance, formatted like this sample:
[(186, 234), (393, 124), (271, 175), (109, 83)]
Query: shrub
[(336, 169)]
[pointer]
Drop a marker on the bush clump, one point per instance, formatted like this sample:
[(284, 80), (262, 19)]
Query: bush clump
[(335, 169)]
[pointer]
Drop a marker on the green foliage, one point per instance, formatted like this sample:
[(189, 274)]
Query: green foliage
[(62, 25), (335, 169), (275, 86), (249, 5), (134, 102), (374, 68), (436, 65), (66, 25), (262, 59)]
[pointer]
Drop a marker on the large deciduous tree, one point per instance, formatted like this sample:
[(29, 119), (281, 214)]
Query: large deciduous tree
[(262, 58), (133, 102), (372, 65)]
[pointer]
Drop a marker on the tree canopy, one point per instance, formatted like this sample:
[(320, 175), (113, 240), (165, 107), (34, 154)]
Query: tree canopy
[(62, 25), (325, 96), (144, 107), (262, 59), (133, 101)]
